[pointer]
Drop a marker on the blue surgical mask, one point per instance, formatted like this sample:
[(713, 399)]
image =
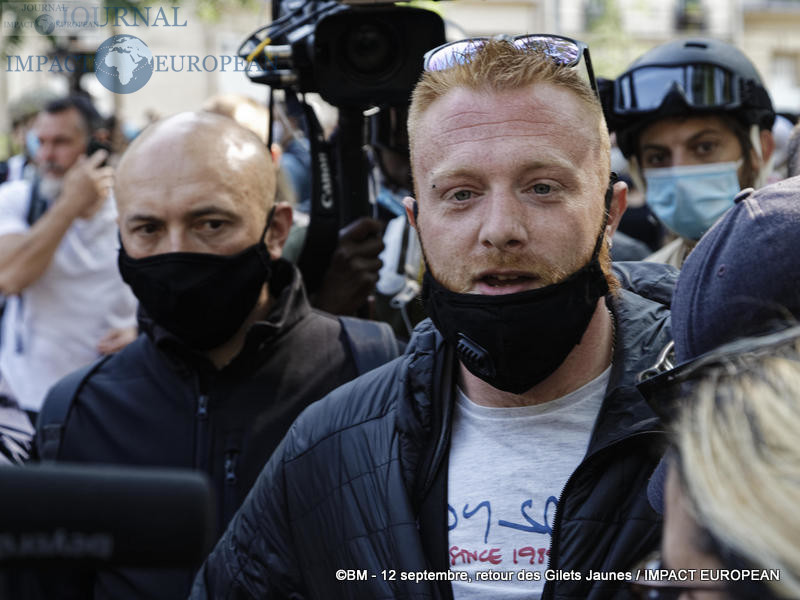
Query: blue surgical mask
[(689, 199)]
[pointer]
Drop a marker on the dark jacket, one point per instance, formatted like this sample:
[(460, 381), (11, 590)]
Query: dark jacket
[(360, 485), (158, 403)]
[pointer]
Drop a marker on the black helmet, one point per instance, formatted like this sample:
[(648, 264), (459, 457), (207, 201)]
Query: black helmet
[(685, 77)]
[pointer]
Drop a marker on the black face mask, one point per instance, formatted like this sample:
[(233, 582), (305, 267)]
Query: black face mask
[(514, 341), (203, 299)]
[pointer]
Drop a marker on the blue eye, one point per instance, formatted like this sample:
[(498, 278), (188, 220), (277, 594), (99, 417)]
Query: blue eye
[(541, 188)]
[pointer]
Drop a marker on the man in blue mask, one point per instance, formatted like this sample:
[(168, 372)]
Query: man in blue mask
[(694, 120), (508, 440)]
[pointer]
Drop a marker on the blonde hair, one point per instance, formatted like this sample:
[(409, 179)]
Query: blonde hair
[(740, 460), (500, 66)]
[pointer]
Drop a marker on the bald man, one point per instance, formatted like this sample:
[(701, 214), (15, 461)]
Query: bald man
[(230, 352)]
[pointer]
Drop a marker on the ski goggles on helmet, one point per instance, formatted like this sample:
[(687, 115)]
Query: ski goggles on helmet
[(561, 50), (702, 86)]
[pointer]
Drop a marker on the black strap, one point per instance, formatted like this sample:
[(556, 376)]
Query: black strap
[(371, 343), (53, 418), (36, 208), (322, 235), (36, 204)]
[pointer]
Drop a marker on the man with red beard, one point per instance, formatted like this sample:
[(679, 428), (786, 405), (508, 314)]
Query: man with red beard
[(506, 454)]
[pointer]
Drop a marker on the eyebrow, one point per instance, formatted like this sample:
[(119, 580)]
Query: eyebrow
[(192, 214), (141, 217), (205, 211), (557, 163), (59, 137), (700, 134), (693, 138)]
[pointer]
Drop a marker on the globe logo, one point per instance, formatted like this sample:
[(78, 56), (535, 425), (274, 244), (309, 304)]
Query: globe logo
[(44, 24), (123, 64)]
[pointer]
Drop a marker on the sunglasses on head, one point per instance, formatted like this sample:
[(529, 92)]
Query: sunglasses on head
[(561, 50)]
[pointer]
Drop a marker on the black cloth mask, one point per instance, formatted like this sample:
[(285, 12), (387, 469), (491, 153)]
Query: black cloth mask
[(515, 341), (201, 298)]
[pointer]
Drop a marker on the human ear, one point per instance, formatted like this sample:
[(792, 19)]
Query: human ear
[(279, 228), (619, 202), (412, 210)]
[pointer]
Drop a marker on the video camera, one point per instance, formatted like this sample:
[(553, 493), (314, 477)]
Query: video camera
[(356, 57)]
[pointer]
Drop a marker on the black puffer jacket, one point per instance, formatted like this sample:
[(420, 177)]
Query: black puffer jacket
[(158, 403), (358, 482)]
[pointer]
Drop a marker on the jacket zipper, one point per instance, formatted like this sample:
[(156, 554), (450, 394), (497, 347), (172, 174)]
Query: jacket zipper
[(230, 468), (202, 407), (551, 559), (229, 503), (201, 433)]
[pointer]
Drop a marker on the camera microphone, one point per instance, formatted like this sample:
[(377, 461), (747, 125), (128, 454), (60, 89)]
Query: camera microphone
[(103, 516)]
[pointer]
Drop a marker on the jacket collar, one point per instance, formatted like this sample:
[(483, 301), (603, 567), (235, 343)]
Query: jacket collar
[(290, 306), (423, 413), (641, 329)]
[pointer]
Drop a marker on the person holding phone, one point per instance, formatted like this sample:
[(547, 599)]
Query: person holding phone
[(66, 303)]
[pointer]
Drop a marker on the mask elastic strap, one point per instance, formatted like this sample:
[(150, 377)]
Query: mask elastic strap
[(609, 195), (765, 166), (261, 248), (269, 222)]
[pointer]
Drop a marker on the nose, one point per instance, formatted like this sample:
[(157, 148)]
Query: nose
[(503, 224), (175, 241), (680, 156), (44, 154), (170, 238)]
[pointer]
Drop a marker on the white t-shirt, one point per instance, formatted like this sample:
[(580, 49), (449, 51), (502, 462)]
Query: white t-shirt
[(508, 467), (54, 325)]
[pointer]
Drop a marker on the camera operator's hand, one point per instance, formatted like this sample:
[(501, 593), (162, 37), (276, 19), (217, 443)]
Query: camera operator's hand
[(353, 272), (87, 184)]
